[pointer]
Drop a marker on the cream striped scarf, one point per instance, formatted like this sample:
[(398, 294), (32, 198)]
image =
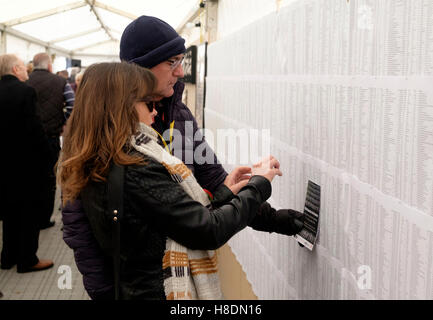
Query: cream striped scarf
[(193, 273)]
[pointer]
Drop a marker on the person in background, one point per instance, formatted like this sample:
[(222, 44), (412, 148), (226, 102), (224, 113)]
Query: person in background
[(27, 157), (169, 227), (55, 100), (63, 73), (29, 67), (78, 78), (151, 43)]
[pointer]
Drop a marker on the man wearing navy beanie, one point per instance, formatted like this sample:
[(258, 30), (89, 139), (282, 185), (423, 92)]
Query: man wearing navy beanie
[(154, 44), (148, 41)]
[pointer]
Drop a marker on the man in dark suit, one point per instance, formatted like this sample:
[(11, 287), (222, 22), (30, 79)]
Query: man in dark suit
[(25, 160)]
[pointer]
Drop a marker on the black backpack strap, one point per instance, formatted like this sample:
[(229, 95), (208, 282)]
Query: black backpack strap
[(115, 209)]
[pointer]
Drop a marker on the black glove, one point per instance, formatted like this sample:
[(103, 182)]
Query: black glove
[(284, 221), (297, 219), (289, 221)]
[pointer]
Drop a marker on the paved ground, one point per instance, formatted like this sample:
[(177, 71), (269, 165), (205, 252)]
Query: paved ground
[(62, 282)]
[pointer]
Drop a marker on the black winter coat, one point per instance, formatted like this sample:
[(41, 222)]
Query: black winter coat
[(26, 153), (156, 207), (210, 174), (50, 100)]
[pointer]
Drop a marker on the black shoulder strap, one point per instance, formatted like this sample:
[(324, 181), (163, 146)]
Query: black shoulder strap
[(115, 207)]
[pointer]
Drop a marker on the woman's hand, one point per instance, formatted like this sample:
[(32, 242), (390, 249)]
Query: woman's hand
[(238, 178), (269, 167)]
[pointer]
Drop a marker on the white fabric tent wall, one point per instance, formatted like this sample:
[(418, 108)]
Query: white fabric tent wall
[(345, 90), (89, 60), (24, 49), (93, 55), (235, 14)]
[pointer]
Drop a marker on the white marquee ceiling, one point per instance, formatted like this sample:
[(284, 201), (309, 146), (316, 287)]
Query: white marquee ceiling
[(83, 26)]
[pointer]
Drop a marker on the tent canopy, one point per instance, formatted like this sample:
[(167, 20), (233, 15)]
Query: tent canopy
[(88, 27)]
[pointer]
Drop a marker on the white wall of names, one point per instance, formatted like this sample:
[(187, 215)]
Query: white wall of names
[(346, 90)]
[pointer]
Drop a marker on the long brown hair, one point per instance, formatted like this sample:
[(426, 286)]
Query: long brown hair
[(102, 121)]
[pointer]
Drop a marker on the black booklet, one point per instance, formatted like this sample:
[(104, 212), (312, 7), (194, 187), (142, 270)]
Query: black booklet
[(308, 235)]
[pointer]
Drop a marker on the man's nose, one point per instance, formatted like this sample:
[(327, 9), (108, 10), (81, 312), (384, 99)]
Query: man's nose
[(178, 71)]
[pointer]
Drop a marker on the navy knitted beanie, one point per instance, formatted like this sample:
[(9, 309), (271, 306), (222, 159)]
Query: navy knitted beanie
[(148, 41)]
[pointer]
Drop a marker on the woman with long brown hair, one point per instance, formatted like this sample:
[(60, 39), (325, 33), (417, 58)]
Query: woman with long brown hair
[(167, 224), (103, 120)]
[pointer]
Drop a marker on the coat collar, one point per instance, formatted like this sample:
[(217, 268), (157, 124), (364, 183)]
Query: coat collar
[(37, 69), (9, 77), (166, 104)]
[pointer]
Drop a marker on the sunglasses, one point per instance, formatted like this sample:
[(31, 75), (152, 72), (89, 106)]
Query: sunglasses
[(148, 101)]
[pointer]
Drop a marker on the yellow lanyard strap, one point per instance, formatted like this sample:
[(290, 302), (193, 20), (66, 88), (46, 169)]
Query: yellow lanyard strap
[(169, 149)]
